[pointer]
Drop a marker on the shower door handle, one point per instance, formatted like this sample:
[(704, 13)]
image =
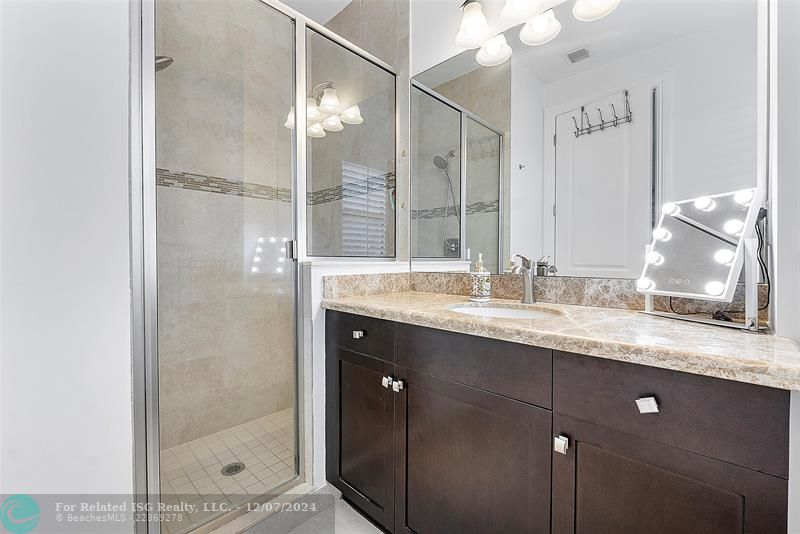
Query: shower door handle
[(291, 249)]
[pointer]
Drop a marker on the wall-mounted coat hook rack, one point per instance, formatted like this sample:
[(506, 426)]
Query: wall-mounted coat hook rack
[(586, 127)]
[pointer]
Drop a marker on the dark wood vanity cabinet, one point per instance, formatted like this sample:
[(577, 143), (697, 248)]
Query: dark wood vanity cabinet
[(433, 432)]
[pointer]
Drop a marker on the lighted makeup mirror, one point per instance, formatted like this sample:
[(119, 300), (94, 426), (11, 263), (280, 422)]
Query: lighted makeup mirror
[(699, 248)]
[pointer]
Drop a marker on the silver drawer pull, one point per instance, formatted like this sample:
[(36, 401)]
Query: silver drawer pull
[(561, 444), (358, 334), (647, 405), (397, 385), (386, 381)]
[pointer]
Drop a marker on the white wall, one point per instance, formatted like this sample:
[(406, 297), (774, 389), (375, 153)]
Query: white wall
[(65, 395)]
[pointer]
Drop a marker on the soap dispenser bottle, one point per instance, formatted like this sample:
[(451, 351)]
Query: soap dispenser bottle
[(481, 282)]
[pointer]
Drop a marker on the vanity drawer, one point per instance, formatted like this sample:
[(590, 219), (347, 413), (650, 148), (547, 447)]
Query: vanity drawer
[(743, 424), (364, 335), (520, 372)]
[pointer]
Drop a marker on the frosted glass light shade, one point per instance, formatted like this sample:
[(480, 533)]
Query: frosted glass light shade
[(474, 30), (333, 124), (589, 10), (494, 51), (316, 131), (312, 111), (352, 115), (540, 29), (329, 103), (290, 119), (519, 11)]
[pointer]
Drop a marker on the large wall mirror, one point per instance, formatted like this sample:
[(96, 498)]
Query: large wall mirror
[(568, 149)]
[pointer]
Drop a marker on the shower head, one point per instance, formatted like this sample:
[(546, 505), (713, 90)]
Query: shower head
[(162, 62), (440, 162)]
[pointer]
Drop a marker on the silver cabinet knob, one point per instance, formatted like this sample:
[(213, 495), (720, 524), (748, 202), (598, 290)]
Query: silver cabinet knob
[(561, 444), (358, 334), (647, 405), (386, 381), (397, 385)]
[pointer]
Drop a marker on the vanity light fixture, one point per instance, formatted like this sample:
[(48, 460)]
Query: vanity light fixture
[(725, 256), (645, 284), (670, 208), (715, 288), (662, 234), (352, 115), (654, 258), (290, 119), (591, 10), (518, 11), (744, 197), (329, 103), (316, 131), (494, 52), (333, 124), (473, 30), (312, 111), (733, 226), (705, 203), (541, 29)]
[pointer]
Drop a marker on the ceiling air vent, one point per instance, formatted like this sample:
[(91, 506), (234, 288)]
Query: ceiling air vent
[(577, 55)]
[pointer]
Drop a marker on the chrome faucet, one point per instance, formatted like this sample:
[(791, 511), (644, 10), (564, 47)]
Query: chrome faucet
[(527, 280)]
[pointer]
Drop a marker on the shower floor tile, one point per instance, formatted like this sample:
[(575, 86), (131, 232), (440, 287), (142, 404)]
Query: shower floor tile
[(192, 472)]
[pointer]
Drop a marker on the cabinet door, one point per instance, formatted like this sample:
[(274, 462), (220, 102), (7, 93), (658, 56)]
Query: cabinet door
[(610, 482), (469, 461), (359, 432)]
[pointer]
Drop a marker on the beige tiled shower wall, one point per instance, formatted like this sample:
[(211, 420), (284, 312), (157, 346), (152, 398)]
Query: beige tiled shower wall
[(225, 333)]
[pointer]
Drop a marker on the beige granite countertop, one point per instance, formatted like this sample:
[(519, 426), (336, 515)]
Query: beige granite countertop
[(621, 335)]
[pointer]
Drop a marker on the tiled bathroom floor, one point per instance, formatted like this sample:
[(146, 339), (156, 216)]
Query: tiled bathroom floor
[(191, 472)]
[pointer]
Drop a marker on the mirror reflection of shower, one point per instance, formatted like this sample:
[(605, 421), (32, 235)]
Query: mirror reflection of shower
[(452, 245)]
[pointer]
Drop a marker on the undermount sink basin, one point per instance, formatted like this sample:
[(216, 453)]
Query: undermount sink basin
[(504, 312)]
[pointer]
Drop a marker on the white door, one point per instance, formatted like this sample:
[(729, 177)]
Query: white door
[(603, 189)]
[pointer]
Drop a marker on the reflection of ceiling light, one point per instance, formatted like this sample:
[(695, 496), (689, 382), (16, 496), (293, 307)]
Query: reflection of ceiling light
[(662, 234), (494, 51), (312, 111), (744, 197), (654, 258), (715, 288), (733, 227), (705, 203), (329, 103), (645, 284), (316, 131), (333, 124), (518, 11), (352, 115), (540, 29), (290, 119), (725, 256), (589, 10), (474, 30), (670, 208)]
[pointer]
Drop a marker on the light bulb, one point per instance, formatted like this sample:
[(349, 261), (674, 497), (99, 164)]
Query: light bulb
[(744, 197), (589, 10), (260, 239), (312, 111), (645, 284), (705, 203), (281, 259), (259, 249), (540, 29), (662, 234), (329, 103), (670, 208), (290, 119), (733, 227), (256, 259), (316, 131), (715, 288), (271, 239), (654, 258), (494, 51), (279, 269), (474, 30), (254, 269), (725, 256), (352, 115), (518, 11), (333, 124)]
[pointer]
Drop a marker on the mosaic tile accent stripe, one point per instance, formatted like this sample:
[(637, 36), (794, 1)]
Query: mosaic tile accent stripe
[(224, 186), (339, 192), (491, 206)]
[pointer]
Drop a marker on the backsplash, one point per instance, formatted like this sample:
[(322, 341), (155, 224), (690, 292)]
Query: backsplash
[(600, 292)]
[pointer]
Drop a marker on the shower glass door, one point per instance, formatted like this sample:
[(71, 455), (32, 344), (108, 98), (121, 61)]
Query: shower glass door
[(226, 288)]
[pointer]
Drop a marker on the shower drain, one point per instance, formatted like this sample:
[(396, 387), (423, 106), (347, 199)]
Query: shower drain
[(233, 469)]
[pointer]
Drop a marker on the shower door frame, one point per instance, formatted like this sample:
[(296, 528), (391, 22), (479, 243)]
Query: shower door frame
[(144, 281), (464, 115)]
